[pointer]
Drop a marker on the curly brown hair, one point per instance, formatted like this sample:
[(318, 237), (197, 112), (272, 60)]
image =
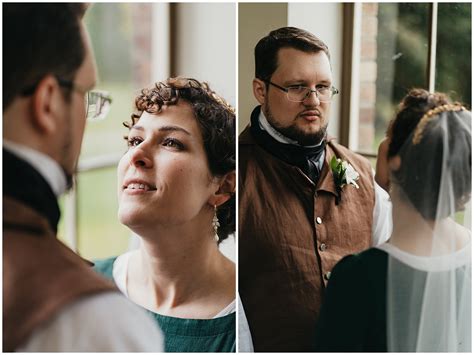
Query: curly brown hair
[(216, 119)]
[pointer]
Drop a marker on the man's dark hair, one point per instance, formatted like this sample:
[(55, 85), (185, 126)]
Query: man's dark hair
[(40, 39), (216, 120), (266, 50)]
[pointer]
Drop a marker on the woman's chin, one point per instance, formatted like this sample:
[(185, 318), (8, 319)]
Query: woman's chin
[(130, 218)]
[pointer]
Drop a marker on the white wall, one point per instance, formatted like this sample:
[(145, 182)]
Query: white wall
[(205, 45), (256, 20)]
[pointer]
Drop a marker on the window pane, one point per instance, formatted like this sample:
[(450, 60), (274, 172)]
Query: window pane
[(453, 56), (123, 55), (112, 37), (100, 234), (394, 57)]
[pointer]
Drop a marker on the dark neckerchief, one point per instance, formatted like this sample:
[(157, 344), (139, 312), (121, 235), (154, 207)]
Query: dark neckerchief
[(305, 158), (22, 182)]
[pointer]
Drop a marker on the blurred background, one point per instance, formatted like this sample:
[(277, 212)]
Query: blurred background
[(135, 46), (378, 52)]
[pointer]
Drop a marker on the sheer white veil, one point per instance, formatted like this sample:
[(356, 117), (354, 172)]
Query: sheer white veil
[(429, 263)]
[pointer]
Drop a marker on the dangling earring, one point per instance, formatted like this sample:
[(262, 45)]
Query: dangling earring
[(215, 224)]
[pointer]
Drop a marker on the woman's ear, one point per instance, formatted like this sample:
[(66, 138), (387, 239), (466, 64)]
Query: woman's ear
[(382, 172), (47, 100), (394, 162), (225, 190), (259, 90)]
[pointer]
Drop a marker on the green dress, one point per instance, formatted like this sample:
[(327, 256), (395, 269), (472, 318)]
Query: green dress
[(187, 335)]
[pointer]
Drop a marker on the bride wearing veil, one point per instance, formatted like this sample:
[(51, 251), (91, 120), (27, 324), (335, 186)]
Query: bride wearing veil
[(412, 293)]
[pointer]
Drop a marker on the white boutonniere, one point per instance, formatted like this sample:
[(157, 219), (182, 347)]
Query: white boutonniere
[(344, 174)]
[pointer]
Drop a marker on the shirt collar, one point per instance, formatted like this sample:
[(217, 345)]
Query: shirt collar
[(266, 126), (45, 165)]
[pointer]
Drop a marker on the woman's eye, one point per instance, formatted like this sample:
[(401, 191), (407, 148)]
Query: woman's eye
[(134, 141), (172, 143)]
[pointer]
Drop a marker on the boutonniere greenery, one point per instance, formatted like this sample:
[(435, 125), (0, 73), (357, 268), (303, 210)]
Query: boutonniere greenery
[(344, 174)]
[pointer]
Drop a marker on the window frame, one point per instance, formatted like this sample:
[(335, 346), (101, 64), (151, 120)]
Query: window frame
[(350, 86)]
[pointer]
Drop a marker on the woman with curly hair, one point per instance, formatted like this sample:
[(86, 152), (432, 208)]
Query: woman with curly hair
[(412, 293), (176, 187)]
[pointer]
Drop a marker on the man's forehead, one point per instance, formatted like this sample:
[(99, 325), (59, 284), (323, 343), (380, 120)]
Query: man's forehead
[(298, 65)]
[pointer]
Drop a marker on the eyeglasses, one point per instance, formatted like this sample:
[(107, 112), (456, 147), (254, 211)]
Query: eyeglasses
[(97, 102), (300, 93), (98, 105)]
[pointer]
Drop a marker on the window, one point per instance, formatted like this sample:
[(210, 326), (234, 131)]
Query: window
[(399, 52), (90, 225)]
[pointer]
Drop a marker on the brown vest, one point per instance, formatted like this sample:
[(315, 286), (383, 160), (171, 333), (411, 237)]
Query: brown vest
[(40, 274), (291, 234)]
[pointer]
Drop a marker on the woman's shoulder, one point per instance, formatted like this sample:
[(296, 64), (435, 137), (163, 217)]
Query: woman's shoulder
[(105, 267), (357, 265), (370, 255)]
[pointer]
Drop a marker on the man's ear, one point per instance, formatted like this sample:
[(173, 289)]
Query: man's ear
[(259, 90), (225, 190), (47, 102)]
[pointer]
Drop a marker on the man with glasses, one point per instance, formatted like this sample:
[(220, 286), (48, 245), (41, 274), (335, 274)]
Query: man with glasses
[(52, 299), (300, 208)]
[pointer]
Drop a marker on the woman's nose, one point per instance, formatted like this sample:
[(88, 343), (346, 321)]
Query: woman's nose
[(140, 157)]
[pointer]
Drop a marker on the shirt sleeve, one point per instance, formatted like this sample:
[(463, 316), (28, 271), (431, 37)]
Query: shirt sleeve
[(106, 322), (245, 337), (382, 217)]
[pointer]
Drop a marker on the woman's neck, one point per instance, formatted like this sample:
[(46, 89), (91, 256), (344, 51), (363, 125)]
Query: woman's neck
[(418, 236), (181, 272)]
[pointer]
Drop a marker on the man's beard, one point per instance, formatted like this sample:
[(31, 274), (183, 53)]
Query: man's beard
[(295, 133)]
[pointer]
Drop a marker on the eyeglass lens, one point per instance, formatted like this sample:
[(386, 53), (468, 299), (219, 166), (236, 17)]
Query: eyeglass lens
[(98, 105), (301, 93)]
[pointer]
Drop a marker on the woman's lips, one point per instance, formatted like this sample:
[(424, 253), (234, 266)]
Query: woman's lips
[(137, 186)]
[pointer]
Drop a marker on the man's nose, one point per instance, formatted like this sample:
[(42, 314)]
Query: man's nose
[(312, 99)]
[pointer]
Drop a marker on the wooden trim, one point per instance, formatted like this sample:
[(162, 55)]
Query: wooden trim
[(346, 82), (367, 154), (173, 37)]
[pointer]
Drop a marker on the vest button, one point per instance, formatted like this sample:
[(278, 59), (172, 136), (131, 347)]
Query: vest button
[(323, 247), (327, 275), (319, 220)]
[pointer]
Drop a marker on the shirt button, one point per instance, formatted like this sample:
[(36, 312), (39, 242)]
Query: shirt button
[(323, 247), (327, 275), (319, 220)]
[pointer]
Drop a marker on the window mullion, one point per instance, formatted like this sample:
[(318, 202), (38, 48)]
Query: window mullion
[(432, 47)]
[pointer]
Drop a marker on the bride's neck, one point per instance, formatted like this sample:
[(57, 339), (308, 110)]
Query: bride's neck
[(411, 232), (418, 236)]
